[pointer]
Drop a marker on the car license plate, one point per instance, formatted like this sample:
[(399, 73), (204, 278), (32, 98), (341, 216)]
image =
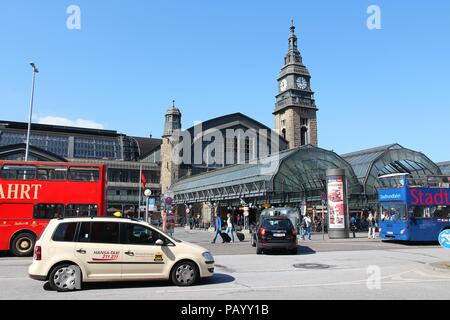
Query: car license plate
[(390, 233), (279, 235)]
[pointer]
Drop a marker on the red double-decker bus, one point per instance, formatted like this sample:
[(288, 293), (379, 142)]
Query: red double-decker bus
[(32, 193)]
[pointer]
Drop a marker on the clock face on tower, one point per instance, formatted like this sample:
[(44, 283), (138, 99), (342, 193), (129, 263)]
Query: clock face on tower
[(301, 83), (283, 85)]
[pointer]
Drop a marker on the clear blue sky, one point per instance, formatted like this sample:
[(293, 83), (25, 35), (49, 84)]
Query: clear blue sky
[(214, 57)]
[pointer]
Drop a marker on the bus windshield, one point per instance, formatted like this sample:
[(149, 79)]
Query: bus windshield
[(393, 211)]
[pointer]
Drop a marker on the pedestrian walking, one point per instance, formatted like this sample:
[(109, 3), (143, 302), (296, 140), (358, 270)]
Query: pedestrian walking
[(372, 224), (230, 227), (307, 222), (353, 226), (217, 227)]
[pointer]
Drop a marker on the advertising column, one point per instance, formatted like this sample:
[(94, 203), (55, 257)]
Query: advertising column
[(338, 225)]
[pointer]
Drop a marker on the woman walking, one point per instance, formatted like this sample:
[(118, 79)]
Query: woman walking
[(372, 224), (230, 227)]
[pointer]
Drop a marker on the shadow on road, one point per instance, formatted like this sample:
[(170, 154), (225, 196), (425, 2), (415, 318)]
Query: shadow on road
[(6, 254), (301, 250), (218, 278)]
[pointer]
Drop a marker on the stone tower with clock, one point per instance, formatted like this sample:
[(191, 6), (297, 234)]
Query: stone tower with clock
[(169, 169), (295, 109)]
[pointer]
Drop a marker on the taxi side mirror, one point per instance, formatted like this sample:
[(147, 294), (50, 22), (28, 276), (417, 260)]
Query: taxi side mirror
[(159, 242)]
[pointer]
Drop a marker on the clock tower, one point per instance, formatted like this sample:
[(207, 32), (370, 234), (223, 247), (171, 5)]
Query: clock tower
[(169, 168), (295, 109)]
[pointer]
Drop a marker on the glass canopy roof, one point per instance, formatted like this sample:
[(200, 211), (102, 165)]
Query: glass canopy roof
[(297, 171), (445, 167), (301, 172), (370, 164)]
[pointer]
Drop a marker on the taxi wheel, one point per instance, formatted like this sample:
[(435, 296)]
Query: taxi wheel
[(23, 244), (185, 273), (63, 278)]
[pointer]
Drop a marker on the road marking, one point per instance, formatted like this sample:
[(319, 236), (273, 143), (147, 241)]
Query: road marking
[(249, 288)]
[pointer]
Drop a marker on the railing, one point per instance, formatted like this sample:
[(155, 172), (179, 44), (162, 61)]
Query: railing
[(296, 102)]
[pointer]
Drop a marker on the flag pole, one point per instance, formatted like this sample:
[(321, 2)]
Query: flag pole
[(140, 191)]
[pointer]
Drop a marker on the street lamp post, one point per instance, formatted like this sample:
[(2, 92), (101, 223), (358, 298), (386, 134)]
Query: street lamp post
[(147, 194), (27, 148)]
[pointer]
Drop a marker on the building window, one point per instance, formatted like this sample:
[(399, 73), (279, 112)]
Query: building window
[(304, 122), (304, 136), (247, 149)]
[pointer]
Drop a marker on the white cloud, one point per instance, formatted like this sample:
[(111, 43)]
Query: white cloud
[(60, 121)]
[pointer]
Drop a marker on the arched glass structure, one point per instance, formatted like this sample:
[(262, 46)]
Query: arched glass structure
[(370, 164), (288, 177)]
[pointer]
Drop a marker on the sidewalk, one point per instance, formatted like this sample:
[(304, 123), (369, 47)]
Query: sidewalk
[(360, 243), (205, 236)]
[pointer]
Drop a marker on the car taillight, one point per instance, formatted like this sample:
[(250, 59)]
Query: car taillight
[(37, 253), (262, 232), (294, 232)]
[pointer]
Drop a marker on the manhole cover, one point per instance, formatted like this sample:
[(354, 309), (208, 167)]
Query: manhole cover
[(311, 266)]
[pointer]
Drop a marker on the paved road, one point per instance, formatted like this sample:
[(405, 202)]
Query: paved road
[(328, 270)]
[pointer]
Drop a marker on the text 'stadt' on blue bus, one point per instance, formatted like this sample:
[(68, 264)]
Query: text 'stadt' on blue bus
[(414, 208)]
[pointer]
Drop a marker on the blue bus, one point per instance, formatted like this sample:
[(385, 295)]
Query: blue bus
[(414, 208)]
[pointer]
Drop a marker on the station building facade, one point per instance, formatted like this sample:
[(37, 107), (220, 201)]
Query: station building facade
[(288, 168)]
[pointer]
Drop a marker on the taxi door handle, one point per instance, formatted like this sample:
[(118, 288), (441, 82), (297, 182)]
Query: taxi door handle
[(81, 251), (130, 253)]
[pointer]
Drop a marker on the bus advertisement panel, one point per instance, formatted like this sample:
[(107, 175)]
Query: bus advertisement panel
[(32, 193)]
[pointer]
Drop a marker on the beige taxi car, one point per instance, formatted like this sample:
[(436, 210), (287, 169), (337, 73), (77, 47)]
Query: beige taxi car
[(77, 250)]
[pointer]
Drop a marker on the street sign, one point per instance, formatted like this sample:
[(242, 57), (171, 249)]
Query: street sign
[(168, 201)]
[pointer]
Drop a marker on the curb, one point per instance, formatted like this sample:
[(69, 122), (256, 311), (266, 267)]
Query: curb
[(443, 266)]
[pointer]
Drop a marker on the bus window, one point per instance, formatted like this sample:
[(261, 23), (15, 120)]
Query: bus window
[(81, 210), (18, 173), (393, 211), (52, 174), (48, 211), (429, 212), (84, 174)]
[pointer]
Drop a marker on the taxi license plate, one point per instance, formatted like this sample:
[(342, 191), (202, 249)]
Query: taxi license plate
[(279, 235)]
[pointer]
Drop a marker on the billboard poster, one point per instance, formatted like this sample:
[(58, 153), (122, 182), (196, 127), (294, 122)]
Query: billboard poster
[(336, 205), (151, 204)]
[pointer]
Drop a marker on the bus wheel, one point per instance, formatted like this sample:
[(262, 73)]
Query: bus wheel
[(23, 244)]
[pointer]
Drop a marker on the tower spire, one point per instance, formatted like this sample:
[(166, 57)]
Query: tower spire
[(293, 56)]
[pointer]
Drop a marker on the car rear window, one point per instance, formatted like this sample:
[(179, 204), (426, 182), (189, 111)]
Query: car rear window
[(277, 224), (65, 232)]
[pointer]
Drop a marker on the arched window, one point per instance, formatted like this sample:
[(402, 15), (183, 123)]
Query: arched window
[(304, 136)]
